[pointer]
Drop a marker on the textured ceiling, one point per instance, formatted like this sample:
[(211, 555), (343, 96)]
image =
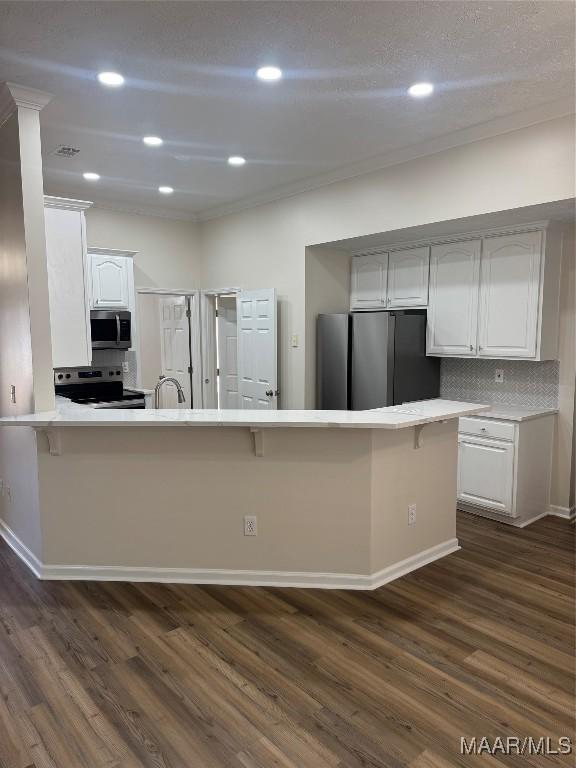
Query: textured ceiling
[(189, 68)]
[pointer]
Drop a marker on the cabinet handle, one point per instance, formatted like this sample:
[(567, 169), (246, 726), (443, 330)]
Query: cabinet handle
[(471, 348)]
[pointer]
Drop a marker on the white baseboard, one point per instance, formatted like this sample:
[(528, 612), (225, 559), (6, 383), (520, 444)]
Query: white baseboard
[(26, 555), (517, 522), (224, 576), (568, 513)]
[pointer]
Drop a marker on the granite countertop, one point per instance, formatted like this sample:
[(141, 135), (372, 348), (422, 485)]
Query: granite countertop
[(515, 412), (394, 417)]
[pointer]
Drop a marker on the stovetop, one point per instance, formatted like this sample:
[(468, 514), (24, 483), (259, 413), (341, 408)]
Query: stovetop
[(96, 388), (106, 397)]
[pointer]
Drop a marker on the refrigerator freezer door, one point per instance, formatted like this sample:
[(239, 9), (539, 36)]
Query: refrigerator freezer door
[(372, 360), (332, 356), (416, 377)]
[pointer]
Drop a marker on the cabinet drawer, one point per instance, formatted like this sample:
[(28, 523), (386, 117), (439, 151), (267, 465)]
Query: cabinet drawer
[(501, 430)]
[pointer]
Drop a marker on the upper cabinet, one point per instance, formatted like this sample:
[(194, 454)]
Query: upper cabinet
[(67, 281), (369, 280), (453, 306), (394, 280), (509, 295), (408, 278), (496, 296), (110, 277)]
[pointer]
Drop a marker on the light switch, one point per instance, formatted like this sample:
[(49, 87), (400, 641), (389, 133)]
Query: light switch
[(294, 341)]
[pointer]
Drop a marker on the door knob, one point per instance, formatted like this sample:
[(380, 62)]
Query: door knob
[(269, 393)]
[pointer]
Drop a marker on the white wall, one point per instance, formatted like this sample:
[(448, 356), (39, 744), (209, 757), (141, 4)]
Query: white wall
[(266, 246), (167, 249), (327, 290)]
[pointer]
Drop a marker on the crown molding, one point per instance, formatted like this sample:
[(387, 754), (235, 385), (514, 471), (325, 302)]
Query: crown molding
[(508, 124), (13, 96), (161, 213), (66, 204)]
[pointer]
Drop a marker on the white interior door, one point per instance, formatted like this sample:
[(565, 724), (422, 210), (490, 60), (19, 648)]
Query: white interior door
[(257, 349), (227, 353), (175, 349)]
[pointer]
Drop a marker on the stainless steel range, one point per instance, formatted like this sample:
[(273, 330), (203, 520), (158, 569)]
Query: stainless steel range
[(96, 388)]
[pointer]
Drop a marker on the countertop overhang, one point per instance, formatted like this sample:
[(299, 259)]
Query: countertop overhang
[(393, 417)]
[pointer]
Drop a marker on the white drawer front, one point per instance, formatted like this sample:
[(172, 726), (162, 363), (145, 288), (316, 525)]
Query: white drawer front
[(500, 430)]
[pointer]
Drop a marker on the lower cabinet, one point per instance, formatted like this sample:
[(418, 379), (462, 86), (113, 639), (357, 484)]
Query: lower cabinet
[(504, 467), (486, 472)]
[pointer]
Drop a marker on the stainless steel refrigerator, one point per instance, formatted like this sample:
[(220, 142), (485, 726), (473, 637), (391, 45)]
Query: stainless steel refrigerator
[(373, 359)]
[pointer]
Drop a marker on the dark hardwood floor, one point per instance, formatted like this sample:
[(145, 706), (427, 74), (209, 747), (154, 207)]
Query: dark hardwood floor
[(478, 644)]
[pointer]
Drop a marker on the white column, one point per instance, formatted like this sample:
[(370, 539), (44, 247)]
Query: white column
[(25, 352)]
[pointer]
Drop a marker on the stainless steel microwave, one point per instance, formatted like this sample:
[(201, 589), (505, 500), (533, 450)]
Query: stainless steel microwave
[(110, 329)]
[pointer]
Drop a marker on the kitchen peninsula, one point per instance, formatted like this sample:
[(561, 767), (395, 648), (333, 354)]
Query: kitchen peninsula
[(347, 499)]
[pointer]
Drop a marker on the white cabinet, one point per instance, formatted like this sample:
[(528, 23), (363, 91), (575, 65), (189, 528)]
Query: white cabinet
[(110, 278), (67, 282), (369, 281), (504, 466), (485, 472), (408, 278), (496, 296), (112, 283), (394, 280), (453, 299), (509, 295)]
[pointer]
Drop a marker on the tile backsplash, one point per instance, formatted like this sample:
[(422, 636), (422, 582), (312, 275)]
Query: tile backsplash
[(526, 383)]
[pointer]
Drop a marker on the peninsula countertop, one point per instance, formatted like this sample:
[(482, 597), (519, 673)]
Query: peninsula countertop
[(393, 417)]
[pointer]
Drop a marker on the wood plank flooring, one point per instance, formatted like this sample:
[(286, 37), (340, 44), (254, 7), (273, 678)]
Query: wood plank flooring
[(139, 675)]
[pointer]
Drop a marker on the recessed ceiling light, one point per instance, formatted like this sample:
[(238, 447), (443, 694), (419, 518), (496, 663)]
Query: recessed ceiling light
[(111, 79), (153, 141), (269, 74), (419, 90), (165, 190), (89, 176), (236, 160)]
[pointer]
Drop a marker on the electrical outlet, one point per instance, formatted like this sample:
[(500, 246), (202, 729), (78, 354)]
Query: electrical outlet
[(499, 376), (250, 525), (126, 366), (411, 514)]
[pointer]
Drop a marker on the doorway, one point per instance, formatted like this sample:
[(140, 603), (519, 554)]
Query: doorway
[(220, 345), (169, 345)]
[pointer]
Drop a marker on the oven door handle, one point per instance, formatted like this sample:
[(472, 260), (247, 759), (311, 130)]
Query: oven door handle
[(117, 329)]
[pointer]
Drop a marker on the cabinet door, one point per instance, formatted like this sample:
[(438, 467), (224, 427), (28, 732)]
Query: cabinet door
[(69, 310), (486, 473), (369, 278), (509, 295), (110, 285), (408, 278), (453, 299)]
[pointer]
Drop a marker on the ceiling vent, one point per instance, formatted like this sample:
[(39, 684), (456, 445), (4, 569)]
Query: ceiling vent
[(65, 150)]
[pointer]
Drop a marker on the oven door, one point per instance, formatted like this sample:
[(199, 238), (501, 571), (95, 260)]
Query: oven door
[(110, 330)]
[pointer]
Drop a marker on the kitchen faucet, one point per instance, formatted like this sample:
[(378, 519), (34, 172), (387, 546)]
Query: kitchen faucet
[(163, 380)]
